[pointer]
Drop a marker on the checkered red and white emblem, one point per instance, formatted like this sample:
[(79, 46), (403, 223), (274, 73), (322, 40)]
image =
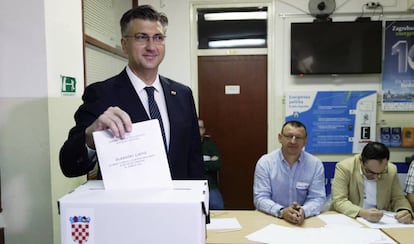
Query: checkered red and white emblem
[(80, 229)]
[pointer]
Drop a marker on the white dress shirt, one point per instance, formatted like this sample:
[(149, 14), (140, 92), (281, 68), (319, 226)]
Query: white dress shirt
[(139, 86), (370, 193)]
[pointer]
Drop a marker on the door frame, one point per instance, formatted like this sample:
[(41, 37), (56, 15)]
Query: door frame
[(272, 119)]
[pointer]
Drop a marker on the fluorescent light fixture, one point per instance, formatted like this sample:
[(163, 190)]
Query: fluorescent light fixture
[(235, 16), (236, 43)]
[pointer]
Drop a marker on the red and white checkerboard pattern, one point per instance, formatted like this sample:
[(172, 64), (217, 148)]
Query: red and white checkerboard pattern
[(80, 232)]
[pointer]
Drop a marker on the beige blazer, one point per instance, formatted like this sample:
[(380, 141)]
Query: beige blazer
[(348, 189)]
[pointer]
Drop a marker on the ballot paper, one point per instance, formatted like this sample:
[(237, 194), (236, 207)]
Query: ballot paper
[(137, 161)]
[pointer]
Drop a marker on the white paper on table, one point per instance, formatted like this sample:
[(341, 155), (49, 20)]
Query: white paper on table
[(275, 234), (334, 220), (135, 162), (224, 224), (388, 221)]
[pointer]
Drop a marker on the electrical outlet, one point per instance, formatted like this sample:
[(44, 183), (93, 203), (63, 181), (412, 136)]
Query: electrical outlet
[(372, 5)]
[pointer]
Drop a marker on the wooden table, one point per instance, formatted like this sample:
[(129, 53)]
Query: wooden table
[(252, 221), (401, 235)]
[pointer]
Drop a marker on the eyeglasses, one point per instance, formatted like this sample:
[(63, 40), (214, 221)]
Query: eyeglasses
[(142, 38), (371, 173), (297, 138)]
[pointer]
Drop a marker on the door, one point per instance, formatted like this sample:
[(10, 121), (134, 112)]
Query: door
[(233, 105)]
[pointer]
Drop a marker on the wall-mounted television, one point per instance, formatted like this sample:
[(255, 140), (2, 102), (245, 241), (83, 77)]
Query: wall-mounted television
[(336, 47)]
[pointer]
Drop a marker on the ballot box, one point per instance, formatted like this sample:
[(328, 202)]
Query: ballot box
[(92, 215)]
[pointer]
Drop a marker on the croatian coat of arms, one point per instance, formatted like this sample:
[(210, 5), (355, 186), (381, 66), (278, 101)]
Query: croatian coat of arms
[(80, 229)]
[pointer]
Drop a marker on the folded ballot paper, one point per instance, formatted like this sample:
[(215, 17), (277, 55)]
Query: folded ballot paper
[(135, 162)]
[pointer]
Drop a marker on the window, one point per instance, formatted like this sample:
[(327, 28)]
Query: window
[(232, 28)]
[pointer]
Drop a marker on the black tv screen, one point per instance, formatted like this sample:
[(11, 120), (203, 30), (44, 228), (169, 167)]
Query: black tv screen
[(336, 47)]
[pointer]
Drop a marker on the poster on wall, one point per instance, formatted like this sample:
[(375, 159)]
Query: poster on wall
[(398, 70), (336, 121)]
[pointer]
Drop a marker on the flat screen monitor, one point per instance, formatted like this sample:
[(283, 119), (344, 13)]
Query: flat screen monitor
[(336, 47)]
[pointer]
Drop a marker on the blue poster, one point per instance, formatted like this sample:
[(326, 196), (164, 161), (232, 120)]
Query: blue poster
[(336, 121), (398, 71)]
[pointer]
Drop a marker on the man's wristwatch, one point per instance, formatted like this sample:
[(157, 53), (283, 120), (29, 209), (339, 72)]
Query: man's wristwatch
[(280, 215)]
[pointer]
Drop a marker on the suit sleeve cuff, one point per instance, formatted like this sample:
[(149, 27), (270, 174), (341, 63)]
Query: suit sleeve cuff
[(411, 212)]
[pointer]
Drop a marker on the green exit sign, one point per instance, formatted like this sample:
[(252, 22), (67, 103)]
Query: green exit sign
[(68, 85)]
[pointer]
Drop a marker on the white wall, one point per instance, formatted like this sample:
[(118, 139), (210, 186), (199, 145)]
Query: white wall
[(64, 54), (24, 141), (41, 40)]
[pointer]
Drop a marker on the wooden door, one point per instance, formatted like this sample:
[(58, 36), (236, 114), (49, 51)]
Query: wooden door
[(236, 121)]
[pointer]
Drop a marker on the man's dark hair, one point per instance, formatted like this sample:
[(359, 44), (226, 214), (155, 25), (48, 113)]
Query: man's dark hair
[(375, 150), (144, 12), (294, 123)]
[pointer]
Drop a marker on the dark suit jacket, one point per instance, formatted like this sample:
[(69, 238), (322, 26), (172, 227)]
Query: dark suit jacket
[(184, 155)]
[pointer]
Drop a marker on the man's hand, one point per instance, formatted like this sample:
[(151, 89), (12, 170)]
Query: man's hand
[(404, 216), (372, 215), (114, 119), (294, 214)]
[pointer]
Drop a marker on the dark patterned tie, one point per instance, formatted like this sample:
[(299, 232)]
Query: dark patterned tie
[(155, 112)]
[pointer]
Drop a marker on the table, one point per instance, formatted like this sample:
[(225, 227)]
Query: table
[(252, 221), (401, 235)]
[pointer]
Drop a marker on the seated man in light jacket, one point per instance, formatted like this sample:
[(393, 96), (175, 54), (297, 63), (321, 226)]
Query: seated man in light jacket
[(366, 185)]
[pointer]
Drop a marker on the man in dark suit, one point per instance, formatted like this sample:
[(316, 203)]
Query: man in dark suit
[(116, 103)]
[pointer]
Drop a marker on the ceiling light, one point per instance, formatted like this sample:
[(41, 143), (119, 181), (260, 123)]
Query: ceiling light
[(235, 16), (237, 43)]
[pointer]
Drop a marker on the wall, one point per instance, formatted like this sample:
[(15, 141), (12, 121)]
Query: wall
[(24, 142), (282, 13), (346, 11), (64, 54), (41, 40), (102, 23)]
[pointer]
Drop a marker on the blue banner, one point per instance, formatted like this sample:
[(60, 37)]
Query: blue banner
[(398, 70), (336, 121)]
